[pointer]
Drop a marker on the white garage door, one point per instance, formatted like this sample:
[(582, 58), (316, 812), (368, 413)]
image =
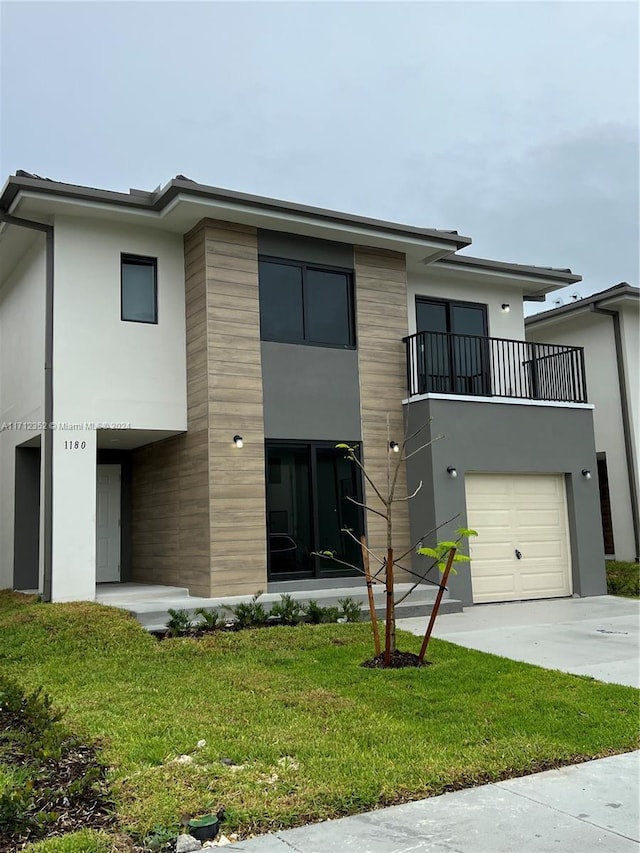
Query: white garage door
[(523, 514)]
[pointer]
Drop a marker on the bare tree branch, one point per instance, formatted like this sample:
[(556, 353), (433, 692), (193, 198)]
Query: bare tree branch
[(368, 550), (355, 459), (342, 562), (422, 447), (364, 506), (408, 497), (428, 533), (420, 580)]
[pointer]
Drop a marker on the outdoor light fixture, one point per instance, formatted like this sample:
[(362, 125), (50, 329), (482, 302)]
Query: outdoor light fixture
[(394, 446), (451, 471), (505, 307), (586, 473), (237, 440)]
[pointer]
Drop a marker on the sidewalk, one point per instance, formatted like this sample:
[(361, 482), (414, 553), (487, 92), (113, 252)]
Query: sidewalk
[(577, 809)]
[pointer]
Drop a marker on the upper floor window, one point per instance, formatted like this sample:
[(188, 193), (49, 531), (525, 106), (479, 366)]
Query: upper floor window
[(304, 303), (139, 289), (458, 318)]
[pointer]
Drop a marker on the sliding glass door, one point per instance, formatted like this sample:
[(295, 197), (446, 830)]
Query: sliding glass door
[(309, 485)]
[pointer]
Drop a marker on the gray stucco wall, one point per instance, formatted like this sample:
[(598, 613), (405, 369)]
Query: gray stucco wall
[(506, 438), (277, 244), (310, 393)]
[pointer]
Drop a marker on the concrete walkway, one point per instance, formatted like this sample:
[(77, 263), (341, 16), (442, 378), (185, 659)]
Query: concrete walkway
[(586, 807)]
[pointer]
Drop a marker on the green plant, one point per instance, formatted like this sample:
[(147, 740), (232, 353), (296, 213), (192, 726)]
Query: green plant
[(350, 609), (440, 552), (210, 619), (250, 614), (179, 622), (288, 611), (316, 613), (313, 611), (623, 578), (45, 770)]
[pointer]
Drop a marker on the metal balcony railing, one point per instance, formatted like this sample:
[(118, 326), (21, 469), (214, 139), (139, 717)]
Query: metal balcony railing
[(444, 363)]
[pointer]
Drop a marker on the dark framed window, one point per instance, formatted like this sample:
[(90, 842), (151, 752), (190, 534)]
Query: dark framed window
[(306, 303), (311, 488), (454, 352), (138, 289)]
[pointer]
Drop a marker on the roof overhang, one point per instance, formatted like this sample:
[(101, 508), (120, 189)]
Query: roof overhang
[(612, 299), (181, 204), (533, 282)]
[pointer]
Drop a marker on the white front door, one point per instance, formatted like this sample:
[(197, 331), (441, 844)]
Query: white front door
[(108, 524)]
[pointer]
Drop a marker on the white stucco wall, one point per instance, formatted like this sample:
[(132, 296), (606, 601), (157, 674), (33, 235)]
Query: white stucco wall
[(106, 371), (22, 301), (501, 325), (595, 333)]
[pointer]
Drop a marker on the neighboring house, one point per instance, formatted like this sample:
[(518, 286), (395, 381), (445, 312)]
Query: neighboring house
[(607, 325), (159, 331)]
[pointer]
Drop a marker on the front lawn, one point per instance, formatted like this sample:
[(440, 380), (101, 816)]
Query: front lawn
[(623, 578), (305, 731)]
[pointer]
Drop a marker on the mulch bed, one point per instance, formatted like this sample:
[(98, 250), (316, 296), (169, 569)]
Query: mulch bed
[(68, 810), (399, 660)]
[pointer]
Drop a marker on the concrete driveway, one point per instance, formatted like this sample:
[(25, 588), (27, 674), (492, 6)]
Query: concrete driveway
[(599, 636)]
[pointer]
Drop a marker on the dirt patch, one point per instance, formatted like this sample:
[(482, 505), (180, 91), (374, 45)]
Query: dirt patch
[(399, 660)]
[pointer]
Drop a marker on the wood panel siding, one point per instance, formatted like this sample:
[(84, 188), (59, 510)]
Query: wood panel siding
[(381, 306), (198, 501), (237, 477)]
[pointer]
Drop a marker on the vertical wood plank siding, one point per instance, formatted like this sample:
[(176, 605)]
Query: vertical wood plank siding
[(381, 305), (198, 502)]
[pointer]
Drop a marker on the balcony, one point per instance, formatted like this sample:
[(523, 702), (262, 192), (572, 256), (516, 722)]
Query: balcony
[(442, 363)]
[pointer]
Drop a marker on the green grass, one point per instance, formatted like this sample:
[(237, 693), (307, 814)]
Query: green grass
[(313, 734), (623, 578), (85, 841)]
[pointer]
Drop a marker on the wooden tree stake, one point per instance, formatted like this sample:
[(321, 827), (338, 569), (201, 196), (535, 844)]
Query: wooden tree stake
[(436, 605), (372, 604)]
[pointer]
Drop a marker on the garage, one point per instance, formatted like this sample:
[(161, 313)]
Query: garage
[(522, 547)]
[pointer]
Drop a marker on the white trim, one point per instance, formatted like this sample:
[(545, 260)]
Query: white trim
[(510, 401)]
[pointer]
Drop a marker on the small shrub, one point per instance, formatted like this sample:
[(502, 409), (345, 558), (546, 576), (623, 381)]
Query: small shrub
[(331, 614), (350, 609), (210, 619), (250, 614), (179, 622), (314, 612), (623, 578), (288, 611)]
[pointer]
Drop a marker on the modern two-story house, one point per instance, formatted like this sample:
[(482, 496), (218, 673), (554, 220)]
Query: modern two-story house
[(177, 367), (607, 326)]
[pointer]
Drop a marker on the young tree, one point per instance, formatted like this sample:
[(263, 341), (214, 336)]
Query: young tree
[(386, 496)]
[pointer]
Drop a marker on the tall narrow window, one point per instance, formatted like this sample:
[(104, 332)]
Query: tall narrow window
[(139, 289)]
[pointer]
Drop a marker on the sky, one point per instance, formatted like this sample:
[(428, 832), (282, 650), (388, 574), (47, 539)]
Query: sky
[(515, 123)]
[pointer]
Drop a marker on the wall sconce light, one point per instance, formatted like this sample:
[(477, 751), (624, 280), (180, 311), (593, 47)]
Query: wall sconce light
[(393, 445), (505, 307), (237, 440), (586, 473), (452, 472)]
